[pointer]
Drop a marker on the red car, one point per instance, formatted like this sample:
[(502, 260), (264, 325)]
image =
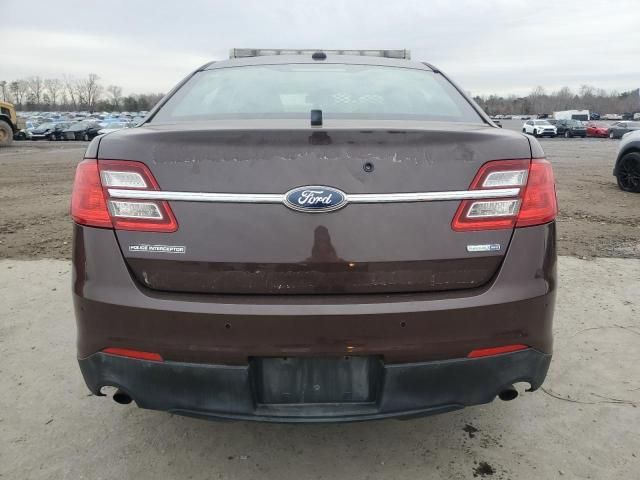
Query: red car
[(597, 129)]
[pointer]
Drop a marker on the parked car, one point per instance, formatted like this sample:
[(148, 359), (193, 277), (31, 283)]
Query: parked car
[(24, 133), (618, 129), (597, 129), (49, 131), (84, 130), (113, 126), (627, 167), (539, 128), (570, 128), (229, 272), (594, 116)]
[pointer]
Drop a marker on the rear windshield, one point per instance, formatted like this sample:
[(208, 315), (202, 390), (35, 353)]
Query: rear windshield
[(340, 91)]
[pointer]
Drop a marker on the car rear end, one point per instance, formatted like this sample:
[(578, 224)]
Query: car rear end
[(303, 239), (579, 130)]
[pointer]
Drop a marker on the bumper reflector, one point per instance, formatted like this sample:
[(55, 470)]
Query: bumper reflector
[(125, 352), (487, 352)]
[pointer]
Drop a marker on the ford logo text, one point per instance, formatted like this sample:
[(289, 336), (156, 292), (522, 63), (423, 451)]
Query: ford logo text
[(315, 199)]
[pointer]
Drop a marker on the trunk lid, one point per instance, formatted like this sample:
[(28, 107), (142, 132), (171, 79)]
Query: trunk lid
[(253, 248)]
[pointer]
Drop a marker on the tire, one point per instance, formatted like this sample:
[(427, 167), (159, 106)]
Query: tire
[(52, 137), (628, 173), (85, 137), (535, 133), (567, 134), (6, 134), (524, 130), (611, 135)]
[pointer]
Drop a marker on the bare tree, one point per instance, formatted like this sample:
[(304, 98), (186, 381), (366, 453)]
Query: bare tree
[(54, 87), (537, 98), (90, 90), (564, 98), (3, 89), (71, 87), (116, 95), (35, 88), (19, 90)]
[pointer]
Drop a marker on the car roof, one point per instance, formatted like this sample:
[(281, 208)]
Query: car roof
[(306, 59)]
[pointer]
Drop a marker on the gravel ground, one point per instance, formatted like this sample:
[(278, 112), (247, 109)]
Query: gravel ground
[(596, 218)]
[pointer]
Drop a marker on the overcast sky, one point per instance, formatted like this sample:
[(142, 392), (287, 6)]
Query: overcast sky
[(501, 46)]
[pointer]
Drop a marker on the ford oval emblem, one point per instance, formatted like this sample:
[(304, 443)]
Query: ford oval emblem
[(315, 199)]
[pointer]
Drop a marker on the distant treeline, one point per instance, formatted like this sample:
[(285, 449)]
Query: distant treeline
[(539, 101), (72, 94)]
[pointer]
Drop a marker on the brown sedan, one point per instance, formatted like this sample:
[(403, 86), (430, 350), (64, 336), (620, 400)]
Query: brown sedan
[(310, 238)]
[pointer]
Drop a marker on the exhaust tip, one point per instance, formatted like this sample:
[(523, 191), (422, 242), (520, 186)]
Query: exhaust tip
[(122, 398), (508, 394)]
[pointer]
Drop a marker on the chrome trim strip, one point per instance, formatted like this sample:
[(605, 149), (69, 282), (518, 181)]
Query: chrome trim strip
[(432, 196), (280, 198), (197, 196)]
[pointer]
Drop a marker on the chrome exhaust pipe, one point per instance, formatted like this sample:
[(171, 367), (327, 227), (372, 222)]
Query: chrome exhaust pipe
[(508, 394), (122, 398)]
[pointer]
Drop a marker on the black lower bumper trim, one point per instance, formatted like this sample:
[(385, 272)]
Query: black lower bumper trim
[(228, 392)]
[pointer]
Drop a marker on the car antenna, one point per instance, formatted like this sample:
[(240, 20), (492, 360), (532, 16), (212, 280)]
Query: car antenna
[(316, 118)]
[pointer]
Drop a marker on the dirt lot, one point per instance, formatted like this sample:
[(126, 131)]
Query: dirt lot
[(596, 218)]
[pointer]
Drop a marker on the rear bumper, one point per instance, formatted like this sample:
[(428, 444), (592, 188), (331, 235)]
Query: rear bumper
[(229, 392)]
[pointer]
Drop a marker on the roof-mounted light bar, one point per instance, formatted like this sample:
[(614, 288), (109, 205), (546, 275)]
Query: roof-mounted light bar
[(259, 52)]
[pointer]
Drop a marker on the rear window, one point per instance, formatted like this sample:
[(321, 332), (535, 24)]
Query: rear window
[(340, 91)]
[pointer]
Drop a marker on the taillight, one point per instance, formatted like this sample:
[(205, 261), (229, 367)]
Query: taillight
[(88, 205), (534, 205), (539, 203), (92, 205)]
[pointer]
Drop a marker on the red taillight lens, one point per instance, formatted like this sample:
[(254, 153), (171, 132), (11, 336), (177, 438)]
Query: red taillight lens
[(536, 203), (493, 214), (487, 352), (94, 179), (126, 352), (539, 203), (88, 205)]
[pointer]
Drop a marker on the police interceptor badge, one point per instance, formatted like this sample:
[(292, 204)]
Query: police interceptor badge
[(157, 248)]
